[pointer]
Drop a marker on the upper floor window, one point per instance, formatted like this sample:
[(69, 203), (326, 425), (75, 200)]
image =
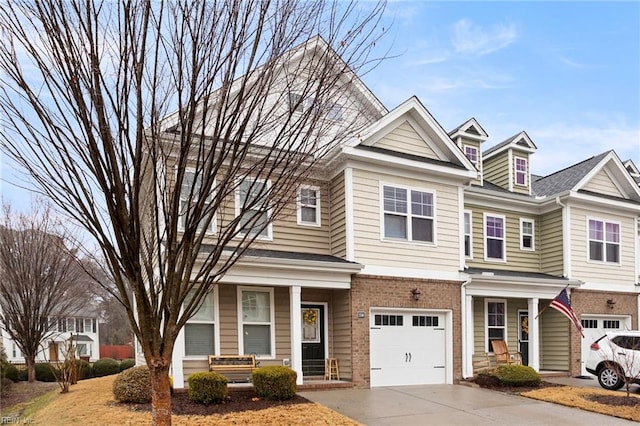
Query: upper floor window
[(468, 236), (408, 214), (309, 206), (526, 234), (256, 322), (251, 206), (334, 112), (494, 234), (189, 196), (604, 241), (472, 153), (521, 171), (296, 103), (199, 331)]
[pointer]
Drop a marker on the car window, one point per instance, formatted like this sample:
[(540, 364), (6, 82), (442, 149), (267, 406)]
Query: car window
[(627, 342)]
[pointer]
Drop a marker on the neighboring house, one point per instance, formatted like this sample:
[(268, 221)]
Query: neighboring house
[(417, 249), (82, 328)]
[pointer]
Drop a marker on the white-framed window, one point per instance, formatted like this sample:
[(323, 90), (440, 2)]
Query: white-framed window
[(468, 235), (251, 205), (256, 319), (521, 171), (189, 194), (527, 229), (62, 325), (80, 325), (471, 152), (200, 329), (309, 206), (408, 214), (53, 324), (494, 237), (296, 103), (71, 324), (604, 241), (495, 321), (89, 325)]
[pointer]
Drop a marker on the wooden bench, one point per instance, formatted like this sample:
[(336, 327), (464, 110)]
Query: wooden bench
[(236, 368)]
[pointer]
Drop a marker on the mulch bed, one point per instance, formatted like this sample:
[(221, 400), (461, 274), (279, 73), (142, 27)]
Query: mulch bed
[(616, 400), (235, 402)]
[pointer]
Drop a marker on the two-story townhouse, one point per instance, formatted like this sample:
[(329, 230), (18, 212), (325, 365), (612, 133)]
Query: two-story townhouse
[(527, 237)]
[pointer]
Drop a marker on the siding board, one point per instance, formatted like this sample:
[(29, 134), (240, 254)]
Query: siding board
[(405, 139)]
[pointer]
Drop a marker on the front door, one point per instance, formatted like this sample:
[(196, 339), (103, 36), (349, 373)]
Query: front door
[(523, 336), (313, 344)]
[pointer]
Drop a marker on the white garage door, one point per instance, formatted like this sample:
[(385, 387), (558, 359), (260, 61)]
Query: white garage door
[(407, 348), (594, 327)]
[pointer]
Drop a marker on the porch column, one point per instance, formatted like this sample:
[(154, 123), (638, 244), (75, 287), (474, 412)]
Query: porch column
[(467, 336), (534, 334), (296, 331), (176, 361)]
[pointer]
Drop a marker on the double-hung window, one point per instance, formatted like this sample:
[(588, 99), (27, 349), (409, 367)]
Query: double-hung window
[(256, 321), (190, 193), (468, 236), (494, 236), (408, 214), (199, 332), (495, 320), (521, 171), (604, 241), (309, 206), (526, 234), (471, 152), (80, 325), (252, 207)]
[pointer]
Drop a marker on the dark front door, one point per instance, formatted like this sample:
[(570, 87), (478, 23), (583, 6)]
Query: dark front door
[(313, 340), (523, 335)]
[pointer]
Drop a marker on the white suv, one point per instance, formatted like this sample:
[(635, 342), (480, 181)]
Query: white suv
[(615, 358)]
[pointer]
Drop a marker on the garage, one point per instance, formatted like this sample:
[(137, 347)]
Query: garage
[(594, 327), (408, 347)]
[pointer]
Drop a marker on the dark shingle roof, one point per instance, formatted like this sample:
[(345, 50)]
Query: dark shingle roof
[(565, 179), (279, 254)]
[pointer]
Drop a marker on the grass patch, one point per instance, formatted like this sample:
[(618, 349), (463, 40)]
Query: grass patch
[(28, 408)]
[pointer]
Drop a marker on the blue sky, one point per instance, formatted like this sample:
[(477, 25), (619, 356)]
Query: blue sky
[(568, 73)]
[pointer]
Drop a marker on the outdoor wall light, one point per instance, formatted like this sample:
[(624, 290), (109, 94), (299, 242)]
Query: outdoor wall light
[(611, 303), (416, 294)]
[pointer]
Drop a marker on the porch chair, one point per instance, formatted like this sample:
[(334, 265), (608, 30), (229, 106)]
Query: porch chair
[(502, 354)]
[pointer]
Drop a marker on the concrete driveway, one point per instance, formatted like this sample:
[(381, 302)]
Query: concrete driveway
[(451, 405)]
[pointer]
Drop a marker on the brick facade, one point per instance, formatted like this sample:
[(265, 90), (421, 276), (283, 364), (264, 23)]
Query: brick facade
[(369, 291)]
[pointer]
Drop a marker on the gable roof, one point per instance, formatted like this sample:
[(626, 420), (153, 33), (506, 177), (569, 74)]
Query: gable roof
[(470, 129), (573, 178), (413, 110), (519, 142)]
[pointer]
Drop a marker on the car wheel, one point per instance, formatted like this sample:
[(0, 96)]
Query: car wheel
[(610, 378)]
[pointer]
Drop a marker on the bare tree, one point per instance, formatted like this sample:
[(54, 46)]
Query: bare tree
[(40, 279), (176, 132)]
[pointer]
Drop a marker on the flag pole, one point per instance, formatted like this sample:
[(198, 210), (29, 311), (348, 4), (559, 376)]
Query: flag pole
[(545, 308)]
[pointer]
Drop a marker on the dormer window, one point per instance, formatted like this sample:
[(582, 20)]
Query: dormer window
[(471, 152), (521, 171)]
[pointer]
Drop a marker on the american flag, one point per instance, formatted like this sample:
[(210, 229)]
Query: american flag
[(562, 304)]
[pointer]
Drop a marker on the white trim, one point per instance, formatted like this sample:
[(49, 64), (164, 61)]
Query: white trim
[(317, 206), (296, 332), (486, 215), (512, 176), (533, 234), (269, 228), (348, 207), (216, 328), (486, 322), (604, 260), (409, 215), (272, 320), (464, 233), (477, 160), (515, 169), (391, 271)]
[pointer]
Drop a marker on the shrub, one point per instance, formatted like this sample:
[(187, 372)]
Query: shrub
[(127, 363), (105, 367), (44, 372), (5, 386), (207, 387), (10, 371), (85, 371), (274, 382), (23, 374), (517, 375), (133, 385)]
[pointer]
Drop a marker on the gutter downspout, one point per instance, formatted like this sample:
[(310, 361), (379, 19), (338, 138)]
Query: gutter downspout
[(465, 350)]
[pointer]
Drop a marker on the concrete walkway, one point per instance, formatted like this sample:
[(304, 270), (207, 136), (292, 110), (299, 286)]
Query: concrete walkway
[(451, 405)]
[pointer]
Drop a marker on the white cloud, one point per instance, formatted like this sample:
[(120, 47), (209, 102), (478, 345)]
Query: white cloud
[(472, 39)]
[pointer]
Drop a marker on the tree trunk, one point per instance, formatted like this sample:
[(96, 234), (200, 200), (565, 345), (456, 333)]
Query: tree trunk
[(160, 393), (31, 368)]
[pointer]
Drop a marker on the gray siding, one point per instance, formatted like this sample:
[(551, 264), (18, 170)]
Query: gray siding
[(338, 217), (405, 139), (602, 184), (554, 340), (551, 243), (496, 170)]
